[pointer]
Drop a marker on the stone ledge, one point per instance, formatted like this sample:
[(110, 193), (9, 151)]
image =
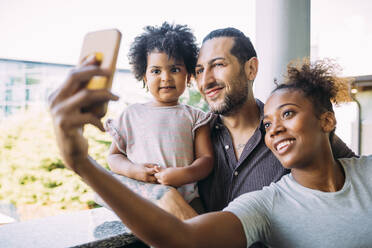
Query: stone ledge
[(8, 213), (88, 228)]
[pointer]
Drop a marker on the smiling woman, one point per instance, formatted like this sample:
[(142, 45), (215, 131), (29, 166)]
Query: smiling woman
[(299, 122), (293, 131), (299, 117)]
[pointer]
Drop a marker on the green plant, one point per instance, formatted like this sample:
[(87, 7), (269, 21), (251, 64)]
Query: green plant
[(194, 98), (49, 165), (31, 171)]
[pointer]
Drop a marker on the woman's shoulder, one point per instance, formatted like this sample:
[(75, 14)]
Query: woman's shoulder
[(358, 165), (362, 161)]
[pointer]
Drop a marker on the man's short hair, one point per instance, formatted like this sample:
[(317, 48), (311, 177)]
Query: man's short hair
[(242, 48)]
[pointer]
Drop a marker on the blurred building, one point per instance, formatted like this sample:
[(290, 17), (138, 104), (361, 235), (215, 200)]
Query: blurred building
[(27, 84), (362, 128)]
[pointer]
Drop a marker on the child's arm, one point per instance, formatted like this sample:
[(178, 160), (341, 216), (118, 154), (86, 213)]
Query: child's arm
[(120, 164), (199, 169)]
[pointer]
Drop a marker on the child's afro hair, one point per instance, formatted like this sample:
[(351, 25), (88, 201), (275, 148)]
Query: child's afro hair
[(177, 41)]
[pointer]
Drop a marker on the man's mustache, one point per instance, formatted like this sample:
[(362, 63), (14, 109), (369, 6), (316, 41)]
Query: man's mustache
[(213, 85)]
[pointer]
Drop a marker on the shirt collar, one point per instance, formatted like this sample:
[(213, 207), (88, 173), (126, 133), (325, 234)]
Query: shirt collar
[(261, 110), (216, 122)]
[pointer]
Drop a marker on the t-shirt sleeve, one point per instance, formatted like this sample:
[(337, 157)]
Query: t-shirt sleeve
[(253, 212), (117, 129), (340, 149), (200, 119)]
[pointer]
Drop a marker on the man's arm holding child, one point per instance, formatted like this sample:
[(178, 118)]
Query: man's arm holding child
[(199, 169)]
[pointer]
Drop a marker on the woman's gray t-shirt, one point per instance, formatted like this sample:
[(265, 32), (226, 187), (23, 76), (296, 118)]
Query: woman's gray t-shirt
[(286, 214)]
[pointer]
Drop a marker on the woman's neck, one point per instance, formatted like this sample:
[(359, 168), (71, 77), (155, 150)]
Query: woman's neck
[(325, 174)]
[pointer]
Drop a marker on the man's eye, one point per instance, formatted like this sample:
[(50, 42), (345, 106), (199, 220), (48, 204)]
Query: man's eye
[(155, 71), (198, 71), (218, 64)]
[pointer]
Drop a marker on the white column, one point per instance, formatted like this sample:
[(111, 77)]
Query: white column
[(282, 34)]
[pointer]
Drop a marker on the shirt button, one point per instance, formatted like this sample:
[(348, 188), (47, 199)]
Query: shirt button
[(227, 147), (217, 127), (236, 173)]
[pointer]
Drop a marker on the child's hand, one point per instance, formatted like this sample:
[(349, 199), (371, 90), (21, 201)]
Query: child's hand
[(168, 176), (145, 172)]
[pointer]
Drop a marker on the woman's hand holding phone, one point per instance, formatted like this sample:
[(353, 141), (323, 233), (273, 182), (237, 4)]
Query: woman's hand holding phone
[(104, 47), (65, 106)]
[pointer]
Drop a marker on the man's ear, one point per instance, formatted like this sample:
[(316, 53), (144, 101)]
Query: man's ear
[(251, 68), (328, 121)]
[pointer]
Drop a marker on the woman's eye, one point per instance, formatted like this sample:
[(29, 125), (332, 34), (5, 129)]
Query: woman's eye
[(288, 113)]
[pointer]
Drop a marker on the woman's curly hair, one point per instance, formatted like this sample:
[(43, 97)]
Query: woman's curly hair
[(318, 81), (177, 41)]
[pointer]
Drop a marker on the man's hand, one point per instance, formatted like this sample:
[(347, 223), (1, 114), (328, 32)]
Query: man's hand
[(169, 176), (65, 105)]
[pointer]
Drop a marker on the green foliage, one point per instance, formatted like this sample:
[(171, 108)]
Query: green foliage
[(27, 179), (93, 204), (31, 171), (52, 184), (104, 142), (49, 165), (30, 81), (194, 98)]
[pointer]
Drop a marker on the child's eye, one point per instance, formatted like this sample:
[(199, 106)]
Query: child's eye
[(266, 125), (155, 71), (175, 69)]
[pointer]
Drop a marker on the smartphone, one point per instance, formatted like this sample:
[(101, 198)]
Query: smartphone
[(104, 45)]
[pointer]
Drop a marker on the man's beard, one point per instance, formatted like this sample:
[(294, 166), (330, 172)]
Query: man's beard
[(233, 100)]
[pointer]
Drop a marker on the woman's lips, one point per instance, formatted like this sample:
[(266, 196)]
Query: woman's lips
[(283, 146)]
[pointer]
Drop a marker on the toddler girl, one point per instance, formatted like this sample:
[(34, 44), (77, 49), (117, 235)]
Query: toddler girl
[(163, 141)]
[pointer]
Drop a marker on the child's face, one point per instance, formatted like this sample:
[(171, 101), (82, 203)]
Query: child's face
[(165, 78)]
